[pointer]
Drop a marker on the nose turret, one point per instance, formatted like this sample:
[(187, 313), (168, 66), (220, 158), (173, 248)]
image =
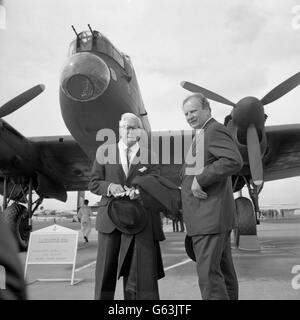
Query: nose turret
[(84, 77)]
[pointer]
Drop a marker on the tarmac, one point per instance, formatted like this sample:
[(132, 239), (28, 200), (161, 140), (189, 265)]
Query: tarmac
[(263, 275)]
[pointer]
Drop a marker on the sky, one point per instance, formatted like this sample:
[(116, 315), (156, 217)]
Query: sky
[(235, 48)]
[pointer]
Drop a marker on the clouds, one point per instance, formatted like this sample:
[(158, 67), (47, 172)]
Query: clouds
[(229, 47), (245, 22)]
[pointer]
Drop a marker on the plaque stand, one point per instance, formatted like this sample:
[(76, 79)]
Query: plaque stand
[(37, 250)]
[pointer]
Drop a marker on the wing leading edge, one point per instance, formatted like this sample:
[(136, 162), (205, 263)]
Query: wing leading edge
[(73, 166)]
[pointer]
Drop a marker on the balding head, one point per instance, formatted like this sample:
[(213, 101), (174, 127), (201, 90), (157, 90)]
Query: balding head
[(197, 110), (200, 98)]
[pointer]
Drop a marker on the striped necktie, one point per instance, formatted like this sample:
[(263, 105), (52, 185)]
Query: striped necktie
[(194, 146)]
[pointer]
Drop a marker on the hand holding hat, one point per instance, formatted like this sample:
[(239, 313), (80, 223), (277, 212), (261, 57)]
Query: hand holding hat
[(132, 193)]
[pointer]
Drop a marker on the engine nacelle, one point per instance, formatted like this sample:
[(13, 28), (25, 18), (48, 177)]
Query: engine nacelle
[(18, 155)]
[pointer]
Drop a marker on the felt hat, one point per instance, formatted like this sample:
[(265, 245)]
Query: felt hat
[(127, 215)]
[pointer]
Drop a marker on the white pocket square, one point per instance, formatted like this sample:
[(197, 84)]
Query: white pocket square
[(142, 169)]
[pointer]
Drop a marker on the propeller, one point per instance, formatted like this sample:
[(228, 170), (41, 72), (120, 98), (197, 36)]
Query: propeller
[(17, 102), (276, 93), (282, 89), (208, 94), (253, 145), (254, 155)]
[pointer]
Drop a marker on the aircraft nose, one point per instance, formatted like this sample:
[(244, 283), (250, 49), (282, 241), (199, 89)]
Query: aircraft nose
[(85, 77)]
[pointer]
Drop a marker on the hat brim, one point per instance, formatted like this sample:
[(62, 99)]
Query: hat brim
[(188, 243), (113, 215)]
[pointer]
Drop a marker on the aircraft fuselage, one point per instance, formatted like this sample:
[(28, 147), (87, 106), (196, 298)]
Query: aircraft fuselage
[(97, 85)]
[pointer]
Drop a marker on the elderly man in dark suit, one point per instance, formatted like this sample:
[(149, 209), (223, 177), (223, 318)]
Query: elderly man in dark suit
[(207, 199), (116, 248)]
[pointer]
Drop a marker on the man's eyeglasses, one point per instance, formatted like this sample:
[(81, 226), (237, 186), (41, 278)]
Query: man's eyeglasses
[(128, 128)]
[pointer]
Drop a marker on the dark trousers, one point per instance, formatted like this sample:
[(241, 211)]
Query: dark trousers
[(216, 275), (175, 225), (107, 267)]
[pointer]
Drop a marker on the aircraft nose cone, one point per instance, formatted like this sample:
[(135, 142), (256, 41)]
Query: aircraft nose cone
[(85, 77), (249, 110)]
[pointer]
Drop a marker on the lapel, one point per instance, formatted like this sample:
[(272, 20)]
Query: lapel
[(210, 122), (120, 170), (207, 124)]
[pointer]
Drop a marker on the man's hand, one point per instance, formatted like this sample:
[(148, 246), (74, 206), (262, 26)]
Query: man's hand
[(132, 193), (116, 190), (197, 190)]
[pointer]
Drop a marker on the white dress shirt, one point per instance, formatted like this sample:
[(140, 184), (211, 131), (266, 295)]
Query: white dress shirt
[(132, 151)]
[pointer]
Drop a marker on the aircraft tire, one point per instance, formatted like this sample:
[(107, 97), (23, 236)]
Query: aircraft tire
[(17, 219), (246, 221)]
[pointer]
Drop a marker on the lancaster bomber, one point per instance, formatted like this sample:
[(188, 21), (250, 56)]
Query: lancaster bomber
[(98, 84)]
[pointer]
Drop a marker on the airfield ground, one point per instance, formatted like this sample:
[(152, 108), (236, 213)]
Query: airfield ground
[(263, 275)]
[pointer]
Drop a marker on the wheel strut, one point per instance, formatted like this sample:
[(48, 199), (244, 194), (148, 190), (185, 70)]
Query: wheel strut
[(254, 191), (245, 235)]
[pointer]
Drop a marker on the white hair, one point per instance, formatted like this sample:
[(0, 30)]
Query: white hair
[(132, 116)]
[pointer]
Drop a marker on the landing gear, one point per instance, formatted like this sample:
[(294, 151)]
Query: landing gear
[(16, 215), (254, 192), (245, 235), (246, 219)]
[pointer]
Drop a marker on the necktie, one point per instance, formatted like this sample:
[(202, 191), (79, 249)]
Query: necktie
[(194, 146), (190, 160), (128, 157)]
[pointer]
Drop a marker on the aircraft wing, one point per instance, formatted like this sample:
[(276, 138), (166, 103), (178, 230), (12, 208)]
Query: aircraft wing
[(72, 164), (283, 154), (67, 160)]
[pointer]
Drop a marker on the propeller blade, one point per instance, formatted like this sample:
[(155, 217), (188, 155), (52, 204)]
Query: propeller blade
[(254, 155), (208, 94), (283, 88), (17, 102)]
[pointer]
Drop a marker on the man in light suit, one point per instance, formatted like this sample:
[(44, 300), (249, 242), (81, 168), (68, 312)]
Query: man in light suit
[(208, 203), (115, 248)]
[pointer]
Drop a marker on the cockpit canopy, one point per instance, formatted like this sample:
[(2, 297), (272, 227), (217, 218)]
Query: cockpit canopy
[(98, 43)]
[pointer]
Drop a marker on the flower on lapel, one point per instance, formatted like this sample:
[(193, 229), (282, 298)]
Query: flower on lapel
[(143, 169)]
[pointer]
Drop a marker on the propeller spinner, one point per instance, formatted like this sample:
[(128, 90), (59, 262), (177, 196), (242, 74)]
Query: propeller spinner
[(248, 114)]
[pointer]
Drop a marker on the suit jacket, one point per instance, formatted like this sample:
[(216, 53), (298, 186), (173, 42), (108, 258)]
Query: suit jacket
[(104, 174), (216, 214), (158, 193)]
